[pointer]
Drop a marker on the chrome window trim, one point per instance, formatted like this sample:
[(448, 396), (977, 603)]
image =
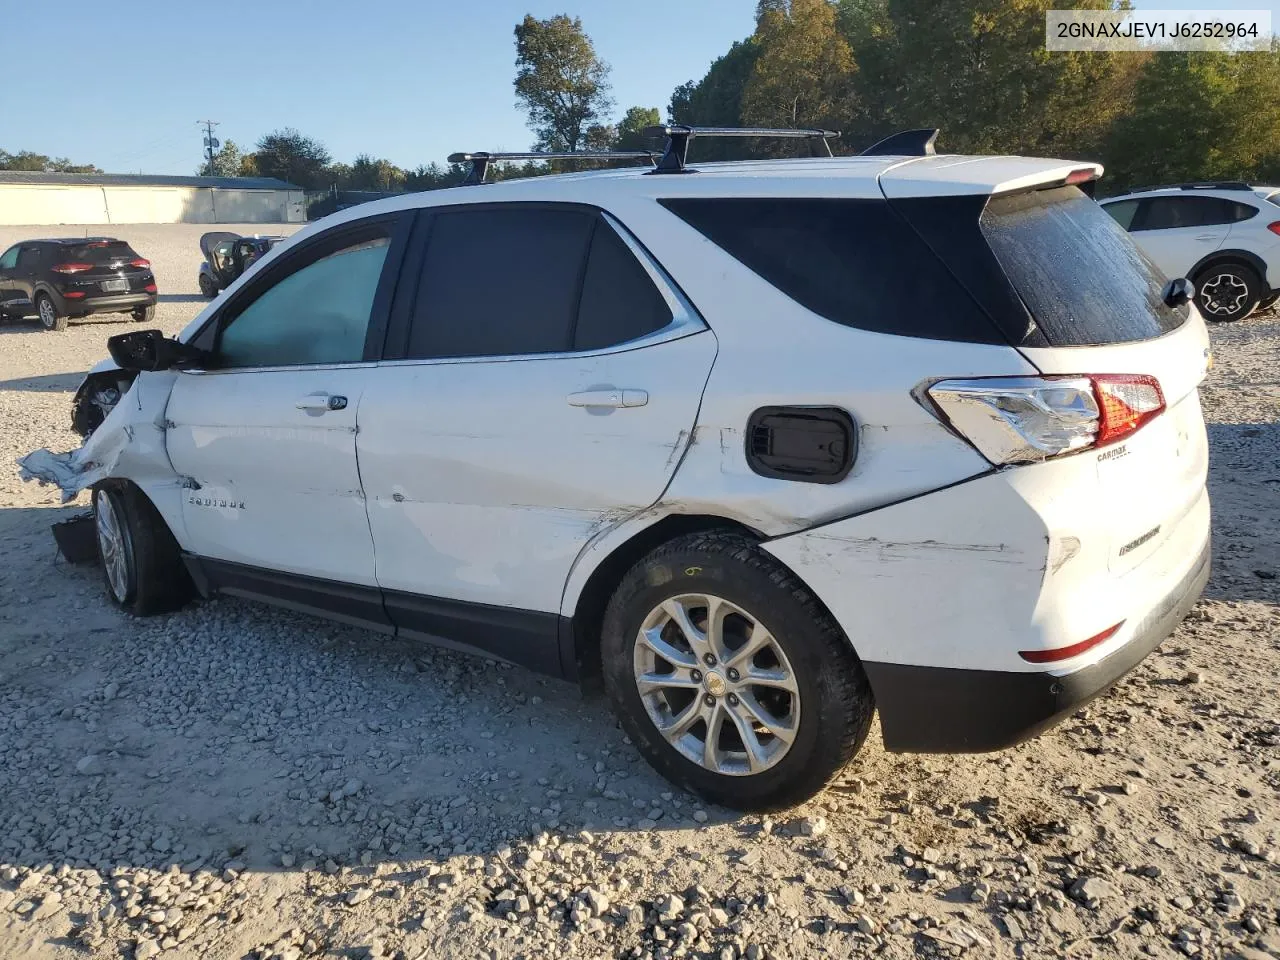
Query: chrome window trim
[(303, 367)]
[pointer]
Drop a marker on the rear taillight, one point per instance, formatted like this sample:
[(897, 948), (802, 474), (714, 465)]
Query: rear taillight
[(1029, 419), (1274, 227), (72, 267), (150, 288), (139, 262)]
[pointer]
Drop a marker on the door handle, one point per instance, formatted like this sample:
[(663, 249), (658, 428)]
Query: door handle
[(322, 403), (1206, 237), (609, 397)]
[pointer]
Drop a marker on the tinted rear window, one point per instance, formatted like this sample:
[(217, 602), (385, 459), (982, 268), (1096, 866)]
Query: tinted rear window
[(1077, 271), (1170, 213), (855, 262), (619, 301), (102, 252)]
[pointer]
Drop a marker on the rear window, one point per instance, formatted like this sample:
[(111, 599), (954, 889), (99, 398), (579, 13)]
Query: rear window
[(855, 262), (102, 251), (1079, 274), (1172, 213)]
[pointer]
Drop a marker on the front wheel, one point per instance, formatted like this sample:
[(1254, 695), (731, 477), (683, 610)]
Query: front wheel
[(1227, 292), (140, 558), (50, 319), (207, 287), (144, 314), (730, 677)]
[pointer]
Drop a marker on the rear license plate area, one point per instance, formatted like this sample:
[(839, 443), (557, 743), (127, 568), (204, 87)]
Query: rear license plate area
[(115, 286)]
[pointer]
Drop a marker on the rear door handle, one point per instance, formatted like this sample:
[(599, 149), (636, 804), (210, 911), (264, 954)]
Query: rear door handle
[(322, 403), (1206, 237), (609, 397)]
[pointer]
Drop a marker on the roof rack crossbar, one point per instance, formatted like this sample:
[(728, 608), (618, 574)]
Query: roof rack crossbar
[(480, 160), (676, 155)]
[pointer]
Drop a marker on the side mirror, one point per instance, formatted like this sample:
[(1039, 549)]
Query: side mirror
[(1177, 292), (152, 350)]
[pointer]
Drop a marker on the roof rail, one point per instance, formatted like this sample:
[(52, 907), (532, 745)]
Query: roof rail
[(480, 161), (908, 143), (675, 156), (1197, 185)]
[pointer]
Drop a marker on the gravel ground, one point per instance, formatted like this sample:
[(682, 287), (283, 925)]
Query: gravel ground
[(233, 781)]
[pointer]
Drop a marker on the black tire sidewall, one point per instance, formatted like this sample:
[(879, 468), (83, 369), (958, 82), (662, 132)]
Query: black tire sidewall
[(1245, 275), (791, 620)]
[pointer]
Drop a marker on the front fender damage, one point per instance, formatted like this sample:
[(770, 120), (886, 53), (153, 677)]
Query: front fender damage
[(129, 442)]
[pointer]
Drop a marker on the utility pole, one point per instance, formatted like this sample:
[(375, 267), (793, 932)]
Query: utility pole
[(210, 143)]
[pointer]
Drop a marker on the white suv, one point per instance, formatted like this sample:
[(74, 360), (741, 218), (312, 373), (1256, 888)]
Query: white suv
[(765, 446), (1224, 237)]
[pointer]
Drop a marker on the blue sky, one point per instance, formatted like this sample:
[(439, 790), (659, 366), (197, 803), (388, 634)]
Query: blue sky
[(410, 81)]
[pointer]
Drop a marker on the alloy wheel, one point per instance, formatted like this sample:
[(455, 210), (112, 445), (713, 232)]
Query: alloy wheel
[(1225, 295), (48, 317), (114, 545), (717, 684)]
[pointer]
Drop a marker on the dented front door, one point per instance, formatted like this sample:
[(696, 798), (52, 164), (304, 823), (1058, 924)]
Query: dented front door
[(269, 461)]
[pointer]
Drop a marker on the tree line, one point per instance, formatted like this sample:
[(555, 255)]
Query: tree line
[(977, 69)]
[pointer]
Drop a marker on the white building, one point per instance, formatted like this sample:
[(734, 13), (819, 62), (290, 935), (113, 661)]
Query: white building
[(86, 198)]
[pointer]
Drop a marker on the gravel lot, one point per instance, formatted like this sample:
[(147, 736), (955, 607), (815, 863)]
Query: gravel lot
[(232, 781)]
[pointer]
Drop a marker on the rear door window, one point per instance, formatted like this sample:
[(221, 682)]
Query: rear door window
[(855, 262), (619, 301), (1170, 213), (1082, 278)]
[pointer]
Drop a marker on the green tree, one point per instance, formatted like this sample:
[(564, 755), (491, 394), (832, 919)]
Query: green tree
[(803, 75), (716, 101), (560, 81), (1199, 116), (978, 70), (288, 155), (368, 173), (630, 131), (226, 162), (31, 162)]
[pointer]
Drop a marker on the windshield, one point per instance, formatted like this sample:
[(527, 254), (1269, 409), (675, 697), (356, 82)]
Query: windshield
[(1081, 276)]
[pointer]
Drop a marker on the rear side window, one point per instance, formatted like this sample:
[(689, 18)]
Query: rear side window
[(1168, 213), (619, 301), (1080, 275), (1122, 212), (101, 251), (524, 280), (855, 262)]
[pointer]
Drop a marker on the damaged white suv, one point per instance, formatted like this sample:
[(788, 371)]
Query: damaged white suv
[(766, 446)]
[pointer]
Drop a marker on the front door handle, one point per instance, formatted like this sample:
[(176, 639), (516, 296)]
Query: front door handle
[(609, 397), (1206, 237), (322, 403)]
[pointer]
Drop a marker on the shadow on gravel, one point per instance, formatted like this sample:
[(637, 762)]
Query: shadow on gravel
[(182, 298), (1244, 487), (45, 383), (234, 732)]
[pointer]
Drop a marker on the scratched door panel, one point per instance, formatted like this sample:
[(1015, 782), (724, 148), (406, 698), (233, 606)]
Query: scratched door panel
[(484, 480), (278, 486)]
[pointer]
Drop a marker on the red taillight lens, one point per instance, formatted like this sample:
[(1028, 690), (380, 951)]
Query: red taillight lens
[(1066, 653), (73, 294), (1274, 227), (150, 288), (139, 262), (1081, 176), (72, 267), (1125, 403)]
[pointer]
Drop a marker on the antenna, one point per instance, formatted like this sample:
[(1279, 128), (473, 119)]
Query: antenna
[(211, 143)]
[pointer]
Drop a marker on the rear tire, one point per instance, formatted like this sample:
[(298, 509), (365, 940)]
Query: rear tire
[(814, 692), (207, 287), (144, 314), (1227, 292), (140, 558), (50, 319), (1268, 302)]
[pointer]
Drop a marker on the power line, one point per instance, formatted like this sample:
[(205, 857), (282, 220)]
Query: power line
[(210, 144)]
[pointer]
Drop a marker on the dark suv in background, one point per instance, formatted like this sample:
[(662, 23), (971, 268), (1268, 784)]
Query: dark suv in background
[(57, 280)]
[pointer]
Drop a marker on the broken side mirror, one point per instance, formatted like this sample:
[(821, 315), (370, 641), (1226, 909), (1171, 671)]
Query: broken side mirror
[(1177, 292), (152, 350)]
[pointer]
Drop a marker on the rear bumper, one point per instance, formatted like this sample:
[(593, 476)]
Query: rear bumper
[(940, 710), (117, 303)]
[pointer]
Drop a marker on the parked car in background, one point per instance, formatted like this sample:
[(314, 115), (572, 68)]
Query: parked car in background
[(226, 256), (65, 279), (1223, 236), (765, 450)]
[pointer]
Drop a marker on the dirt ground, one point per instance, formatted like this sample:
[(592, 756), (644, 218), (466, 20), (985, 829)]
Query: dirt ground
[(234, 781)]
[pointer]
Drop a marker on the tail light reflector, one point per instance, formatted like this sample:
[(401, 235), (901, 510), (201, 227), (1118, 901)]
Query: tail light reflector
[(73, 294), (1056, 654), (72, 267), (150, 288), (1029, 419)]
